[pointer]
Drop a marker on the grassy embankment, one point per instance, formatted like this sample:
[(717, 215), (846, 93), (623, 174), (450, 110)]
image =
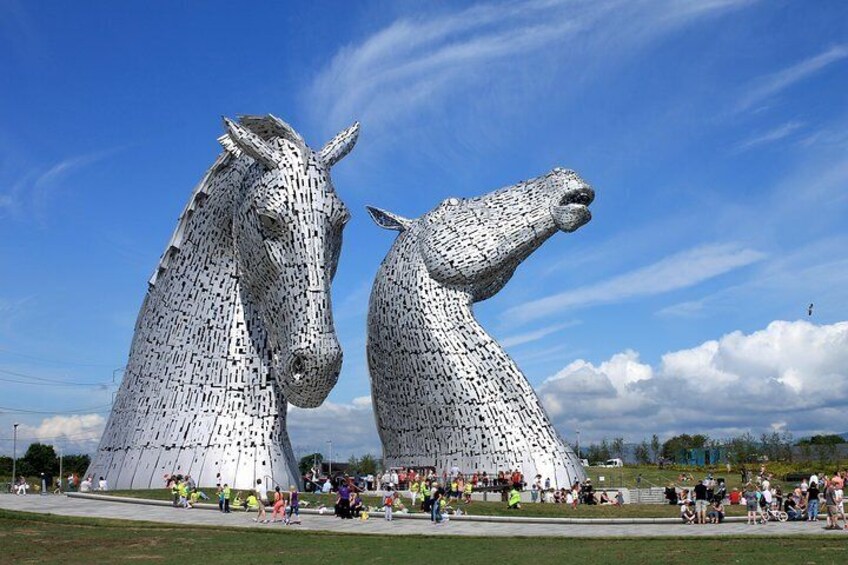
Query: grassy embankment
[(35, 538)]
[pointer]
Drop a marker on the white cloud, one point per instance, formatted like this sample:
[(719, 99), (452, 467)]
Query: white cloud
[(77, 433), (33, 192), (351, 428), (770, 136), (791, 374), (772, 84), (535, 335), (416, 63), (678, 271)]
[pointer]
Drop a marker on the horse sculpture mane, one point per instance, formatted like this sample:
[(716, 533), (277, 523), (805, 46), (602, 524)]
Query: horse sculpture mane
[(230, 329), (445, 393)]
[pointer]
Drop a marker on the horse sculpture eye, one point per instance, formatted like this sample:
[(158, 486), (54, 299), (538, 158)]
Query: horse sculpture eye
[(269, 226)]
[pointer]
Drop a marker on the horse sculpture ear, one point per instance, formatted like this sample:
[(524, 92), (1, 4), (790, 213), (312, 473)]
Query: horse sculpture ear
[(335, 149), (251, 144), (387, 220)]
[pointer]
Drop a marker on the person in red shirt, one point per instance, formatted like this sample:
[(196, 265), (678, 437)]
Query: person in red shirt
[(735, 496)]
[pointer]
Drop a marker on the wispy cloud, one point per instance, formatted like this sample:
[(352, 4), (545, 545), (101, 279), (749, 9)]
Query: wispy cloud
[(770, 136), (34, 191), (678, 271), (416, 63), (774, 83), (535, 335)]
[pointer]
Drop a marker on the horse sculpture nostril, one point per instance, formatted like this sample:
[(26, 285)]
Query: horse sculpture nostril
[(297, 366)]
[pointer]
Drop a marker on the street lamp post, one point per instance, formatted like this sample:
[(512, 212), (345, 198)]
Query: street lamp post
[(330, 461), (14, 452)]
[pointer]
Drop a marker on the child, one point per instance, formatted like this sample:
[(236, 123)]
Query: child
[(750, 496), (388, 503)]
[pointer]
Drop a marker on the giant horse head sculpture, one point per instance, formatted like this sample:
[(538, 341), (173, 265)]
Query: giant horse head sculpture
[(477, 243), (480, 412), (287, 231)]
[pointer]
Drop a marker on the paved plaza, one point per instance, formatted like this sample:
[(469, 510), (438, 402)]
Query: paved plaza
[(65, 506)]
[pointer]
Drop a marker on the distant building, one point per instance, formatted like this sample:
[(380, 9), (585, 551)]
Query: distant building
[(701, 456)]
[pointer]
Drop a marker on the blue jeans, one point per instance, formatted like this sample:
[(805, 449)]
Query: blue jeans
[(813, 510), (436, 512)]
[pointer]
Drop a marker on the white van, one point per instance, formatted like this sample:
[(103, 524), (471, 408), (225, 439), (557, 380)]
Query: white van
[(613, 463)]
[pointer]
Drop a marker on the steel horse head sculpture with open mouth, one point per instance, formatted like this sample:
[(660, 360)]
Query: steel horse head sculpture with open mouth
[(445, 393)]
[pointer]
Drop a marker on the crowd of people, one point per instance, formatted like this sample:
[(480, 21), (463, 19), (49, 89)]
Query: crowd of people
[(21, 486), (705, 502)]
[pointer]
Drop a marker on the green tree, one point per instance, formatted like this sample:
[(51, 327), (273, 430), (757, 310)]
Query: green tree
[(604, 451), (829, 439), (655, 448), (742, 449), (672, 446), (307, 461), (353, 465), (41, 458), (642, 453), (368, 464), (75, 464), (617, 447)]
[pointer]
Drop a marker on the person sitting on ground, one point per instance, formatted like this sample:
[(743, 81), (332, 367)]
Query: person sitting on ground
[(619, 499), (589, 493), (735, 496), (251, 503), (716, 513), (687, 513), (194, 497), (671, 494), (514, 499), (557, 497), (604, 498), (356, 506), (790, 506), (85, 485)]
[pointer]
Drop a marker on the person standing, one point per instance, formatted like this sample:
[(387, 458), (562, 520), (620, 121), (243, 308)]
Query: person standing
[(261, 499), (293, 508), (388, 502), (750, 496), (436, 495), (413, 491), (227, 493), (343, 502), (831, 501), (813, 499), (279, 505), (701, 502), (219, 492)]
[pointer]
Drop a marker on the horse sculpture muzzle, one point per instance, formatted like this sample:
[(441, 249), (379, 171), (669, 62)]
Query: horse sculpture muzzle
[(309, 372), (570, 209)]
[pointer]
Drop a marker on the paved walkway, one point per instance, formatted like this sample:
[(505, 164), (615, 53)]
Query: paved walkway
[(65, 506)]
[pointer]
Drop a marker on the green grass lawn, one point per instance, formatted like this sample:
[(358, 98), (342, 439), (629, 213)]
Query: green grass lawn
[(35, 538), (490, 508)]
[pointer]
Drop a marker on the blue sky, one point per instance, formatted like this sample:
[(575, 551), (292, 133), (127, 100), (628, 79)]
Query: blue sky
[(714, 133)]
